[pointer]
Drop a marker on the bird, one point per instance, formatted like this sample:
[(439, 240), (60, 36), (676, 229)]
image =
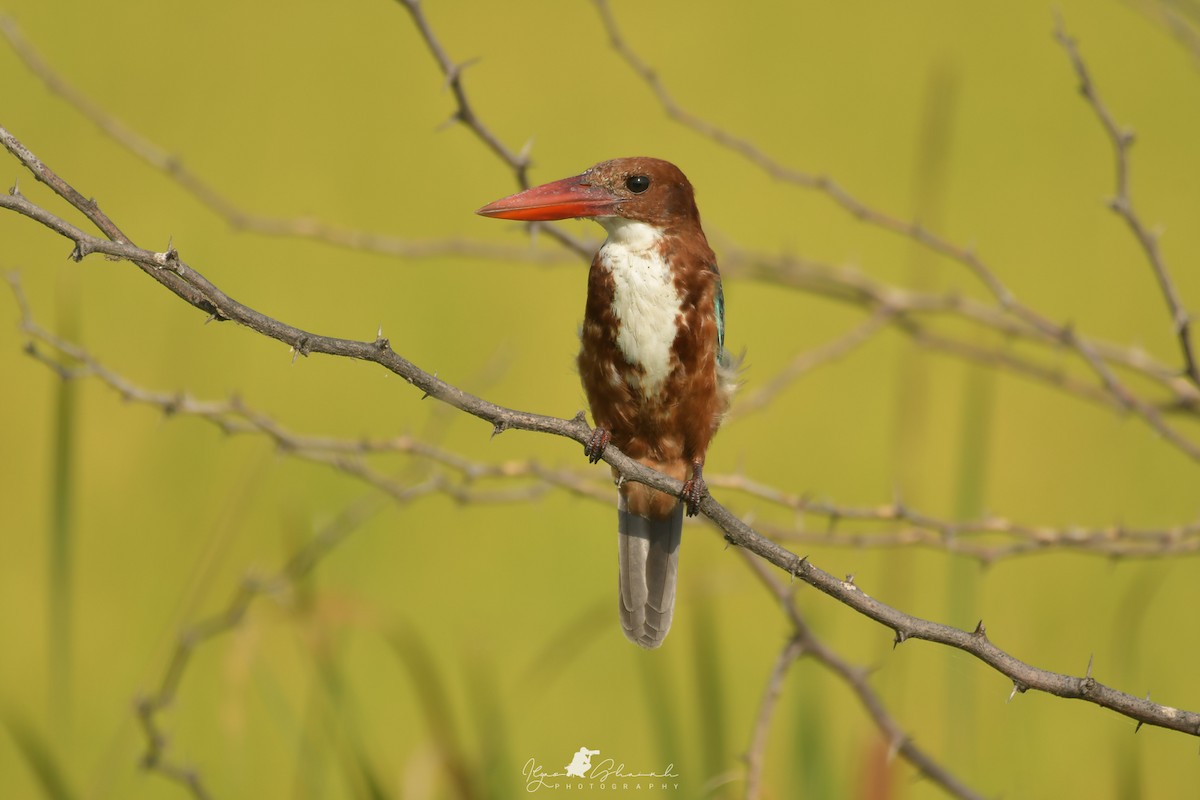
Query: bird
[(652, 358)]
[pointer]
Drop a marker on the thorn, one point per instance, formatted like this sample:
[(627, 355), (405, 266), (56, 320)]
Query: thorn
[(427, 393), (456, 71), (580, 417), (1088, 674), (523, 155), (901, 637), (15, 189), (980, 630), (381, 343), (850, 579), (498, 428), (167, 257), (1138, 727), (1017, 687), (449, 122)]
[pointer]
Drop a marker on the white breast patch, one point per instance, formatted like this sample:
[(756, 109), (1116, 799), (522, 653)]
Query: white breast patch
[(645, 299)]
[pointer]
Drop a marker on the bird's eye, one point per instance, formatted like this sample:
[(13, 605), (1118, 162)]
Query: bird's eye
[(637, 183)]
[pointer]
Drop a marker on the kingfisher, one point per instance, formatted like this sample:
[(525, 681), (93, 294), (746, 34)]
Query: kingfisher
[(652, 358)]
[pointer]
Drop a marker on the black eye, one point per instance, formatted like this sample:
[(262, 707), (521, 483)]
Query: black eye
[(637, 183)]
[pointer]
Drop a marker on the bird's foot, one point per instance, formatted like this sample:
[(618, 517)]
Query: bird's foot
[(595, 446), (694, 490)]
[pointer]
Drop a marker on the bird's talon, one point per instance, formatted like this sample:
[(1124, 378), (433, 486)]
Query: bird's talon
[(595, 446), (694, 490)]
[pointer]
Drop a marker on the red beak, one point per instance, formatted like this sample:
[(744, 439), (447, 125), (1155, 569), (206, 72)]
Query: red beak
[(570, 197)]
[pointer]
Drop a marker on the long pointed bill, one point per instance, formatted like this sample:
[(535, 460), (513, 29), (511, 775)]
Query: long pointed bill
[(570, 197)]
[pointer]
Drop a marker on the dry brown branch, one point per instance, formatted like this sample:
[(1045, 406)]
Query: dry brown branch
[(234, 417), (808, 360), (905, 527), (151, 707), (1122, 203), (465, 113), (809, 646), (900, 304), (173, 167), (198, 290), (820, 183), (919, 529), (756, 753), (1007, 302)]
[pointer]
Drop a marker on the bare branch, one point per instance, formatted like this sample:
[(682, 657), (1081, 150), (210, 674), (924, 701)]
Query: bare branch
[(856, 678), (738, 533), (756, 754), (519, 163), (173, 167), (808, 360), (1122, 203), (1064, 334), (917, 529), (151, 707), (820, 183)]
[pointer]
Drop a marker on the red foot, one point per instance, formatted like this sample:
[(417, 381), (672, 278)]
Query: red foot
[(694, 490), (595, 446)]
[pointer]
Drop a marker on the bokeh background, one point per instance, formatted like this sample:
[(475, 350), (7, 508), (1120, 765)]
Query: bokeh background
[(444, 644)]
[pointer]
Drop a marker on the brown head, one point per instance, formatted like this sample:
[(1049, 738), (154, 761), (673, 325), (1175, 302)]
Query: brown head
[(644, 189)]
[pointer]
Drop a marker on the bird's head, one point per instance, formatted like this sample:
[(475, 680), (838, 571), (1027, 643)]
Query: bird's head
[(647, 190)]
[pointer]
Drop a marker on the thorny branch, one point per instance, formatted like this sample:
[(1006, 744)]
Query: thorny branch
[(1034, 322), (1122, 203), (902, 307), (150, 707), (379, 351), (805, 644), (465, 114), (234, 417), (174, 167), (1009, 315), (915, 528)]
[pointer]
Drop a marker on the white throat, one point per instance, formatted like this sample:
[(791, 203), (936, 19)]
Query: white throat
[(645, 300)]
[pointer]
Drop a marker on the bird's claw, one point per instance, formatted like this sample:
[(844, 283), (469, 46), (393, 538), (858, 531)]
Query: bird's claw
[(595, 446), (694, 490)]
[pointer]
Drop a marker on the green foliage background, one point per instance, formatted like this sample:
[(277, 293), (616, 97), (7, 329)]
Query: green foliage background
[(488, 630)]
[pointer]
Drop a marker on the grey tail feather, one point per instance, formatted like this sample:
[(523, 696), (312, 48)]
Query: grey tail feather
[(648, 551)]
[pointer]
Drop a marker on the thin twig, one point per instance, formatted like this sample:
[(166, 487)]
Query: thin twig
[(1122, 202), (906, 527), (808, 360), (810, 646), (173, 166), (756, 753), (151, 707), (464, 113), (379, 351), (1063, 334)]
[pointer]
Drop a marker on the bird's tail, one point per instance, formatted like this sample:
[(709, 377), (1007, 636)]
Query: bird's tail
[(648, 550)]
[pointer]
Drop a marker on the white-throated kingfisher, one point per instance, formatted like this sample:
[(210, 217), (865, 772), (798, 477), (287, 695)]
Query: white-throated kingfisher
[(652, 358)]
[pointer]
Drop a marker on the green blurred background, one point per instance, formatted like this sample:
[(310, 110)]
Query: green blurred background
[(446, 639)]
